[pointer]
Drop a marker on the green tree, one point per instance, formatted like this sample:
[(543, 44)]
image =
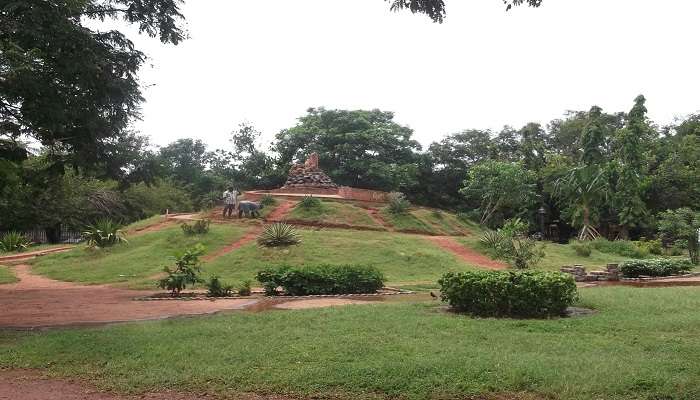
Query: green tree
[(500, 187), (360, 148), (435, 9), (67, 86), (629, 167), (682, 224)]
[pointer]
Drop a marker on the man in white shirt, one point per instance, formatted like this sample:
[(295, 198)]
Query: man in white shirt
[(230, 201)]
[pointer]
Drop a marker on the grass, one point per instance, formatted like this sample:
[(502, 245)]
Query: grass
[(407, 222), (404, 259), (144, 223), (429, 221), (34, 247), (335, 213), (133, 263), (6, 275), (642, 344)]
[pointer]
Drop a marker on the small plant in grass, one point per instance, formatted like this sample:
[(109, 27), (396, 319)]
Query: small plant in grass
[(268, 200), (245, 288), (509, 293), (14, 241), (491, 239), (398, 204), (309, 202), (511, 244), (279, 234), (103, 233), (217, 288), (200, 227), (582, 249), (186, 272)]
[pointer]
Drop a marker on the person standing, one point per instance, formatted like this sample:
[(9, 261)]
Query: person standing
[(230, 200)]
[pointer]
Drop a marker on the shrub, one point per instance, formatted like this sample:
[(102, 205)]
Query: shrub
[(514, 227), (200, 227), (186, 270), (654, 267), (491, 239), (650, 246), (582, 249), (509, 293), (520, 252), (216, 288), (309, 202), (14, 241), (103, 233), (245, 289), (321, 279), (398, 204), (268, 200), (623, 248), (279, 234)]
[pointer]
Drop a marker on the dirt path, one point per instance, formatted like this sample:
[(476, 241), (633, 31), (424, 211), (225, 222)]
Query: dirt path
[(36, 301), (249, 236), (378, 219), (33, 254), (464, 253), (151, 228), (281, 212)]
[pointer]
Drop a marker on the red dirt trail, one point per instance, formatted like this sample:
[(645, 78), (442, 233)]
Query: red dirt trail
[(249, 236), (465, 254), (281, 212), (36, 302)]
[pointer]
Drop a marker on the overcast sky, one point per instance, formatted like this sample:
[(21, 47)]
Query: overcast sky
[(267, 61)]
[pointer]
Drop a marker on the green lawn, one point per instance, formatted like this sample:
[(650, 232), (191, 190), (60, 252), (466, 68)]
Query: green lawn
[(6, 275), (407, 222), (335, 213), (405, 259), (642, 344), (132, 263), (429, 221)]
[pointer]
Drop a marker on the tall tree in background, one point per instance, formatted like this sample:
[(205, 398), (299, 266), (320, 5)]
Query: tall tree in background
[(70, 87), (628, 166), (435, 9), (359, 148)]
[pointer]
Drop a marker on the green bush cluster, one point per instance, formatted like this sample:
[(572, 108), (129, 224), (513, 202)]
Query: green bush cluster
[(14, 241), (509, 293), (321, 279), (217, 288), (654, 267), (309, 202), (200, 227), (267, 200), (582, 249), (103, 233), (623, 248), (398, 204)]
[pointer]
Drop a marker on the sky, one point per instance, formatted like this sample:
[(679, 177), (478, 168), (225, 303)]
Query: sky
[(267, 61)]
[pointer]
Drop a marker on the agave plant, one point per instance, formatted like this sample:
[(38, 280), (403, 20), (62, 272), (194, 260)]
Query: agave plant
[(279, 234), (491, 239), (309, 202), (14, 241), (103, 233)]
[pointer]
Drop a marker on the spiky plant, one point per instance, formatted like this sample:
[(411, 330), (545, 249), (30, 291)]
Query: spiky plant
[(14, 241), (279, 234), (309, 202), (103, 233), (491, 239)]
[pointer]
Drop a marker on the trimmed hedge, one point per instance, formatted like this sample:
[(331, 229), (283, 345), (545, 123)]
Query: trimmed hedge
[(655, 267), (321, 279), (509, 293)]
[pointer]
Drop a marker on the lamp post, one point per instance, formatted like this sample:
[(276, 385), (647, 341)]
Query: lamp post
[(541, 213)]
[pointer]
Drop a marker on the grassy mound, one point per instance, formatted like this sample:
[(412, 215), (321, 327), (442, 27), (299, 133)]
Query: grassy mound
[(6, 275), (641, 344), (333, 212), (428, 221), (134, 263)]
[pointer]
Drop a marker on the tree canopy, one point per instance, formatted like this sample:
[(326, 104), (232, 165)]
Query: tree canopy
[(435, 9)]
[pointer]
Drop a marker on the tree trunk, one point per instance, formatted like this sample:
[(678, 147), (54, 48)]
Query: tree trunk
[(624, 232)]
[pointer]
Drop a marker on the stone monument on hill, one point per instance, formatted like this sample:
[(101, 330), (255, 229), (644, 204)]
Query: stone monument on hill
[(308, 175)]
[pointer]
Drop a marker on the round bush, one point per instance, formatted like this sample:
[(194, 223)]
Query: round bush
[(655, 267), (321, 279), (509, 293)]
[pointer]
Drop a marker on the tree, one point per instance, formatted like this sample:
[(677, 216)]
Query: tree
[(628, 165), (499, 187), (67, 86), (435, 9), (682, 224), (359, 148)]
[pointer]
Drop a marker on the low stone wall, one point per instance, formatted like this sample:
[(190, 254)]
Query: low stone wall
[(611, 273), (351, 193), (346, 192)]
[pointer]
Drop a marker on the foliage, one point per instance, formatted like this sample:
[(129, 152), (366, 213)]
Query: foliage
[(309, 202), (397, 203), (521, 294), (279, 234), (500, 187), (623, 248), (321, 279), (511, 244), (216, 288), (491, 239), (103, 233), (650, 246), (186, 272), (268, 200), (682, 224), (200, 227), (435, 9), (654, 267), (582, 249), (245, 289), (14, 241)]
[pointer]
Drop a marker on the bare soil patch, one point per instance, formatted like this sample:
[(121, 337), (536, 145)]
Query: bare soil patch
[(281, 212), (39, 302), (465, 254), (34, 254), (249, 236), (318, 303)]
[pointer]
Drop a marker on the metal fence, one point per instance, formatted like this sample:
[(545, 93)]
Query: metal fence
[(38, 235)]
